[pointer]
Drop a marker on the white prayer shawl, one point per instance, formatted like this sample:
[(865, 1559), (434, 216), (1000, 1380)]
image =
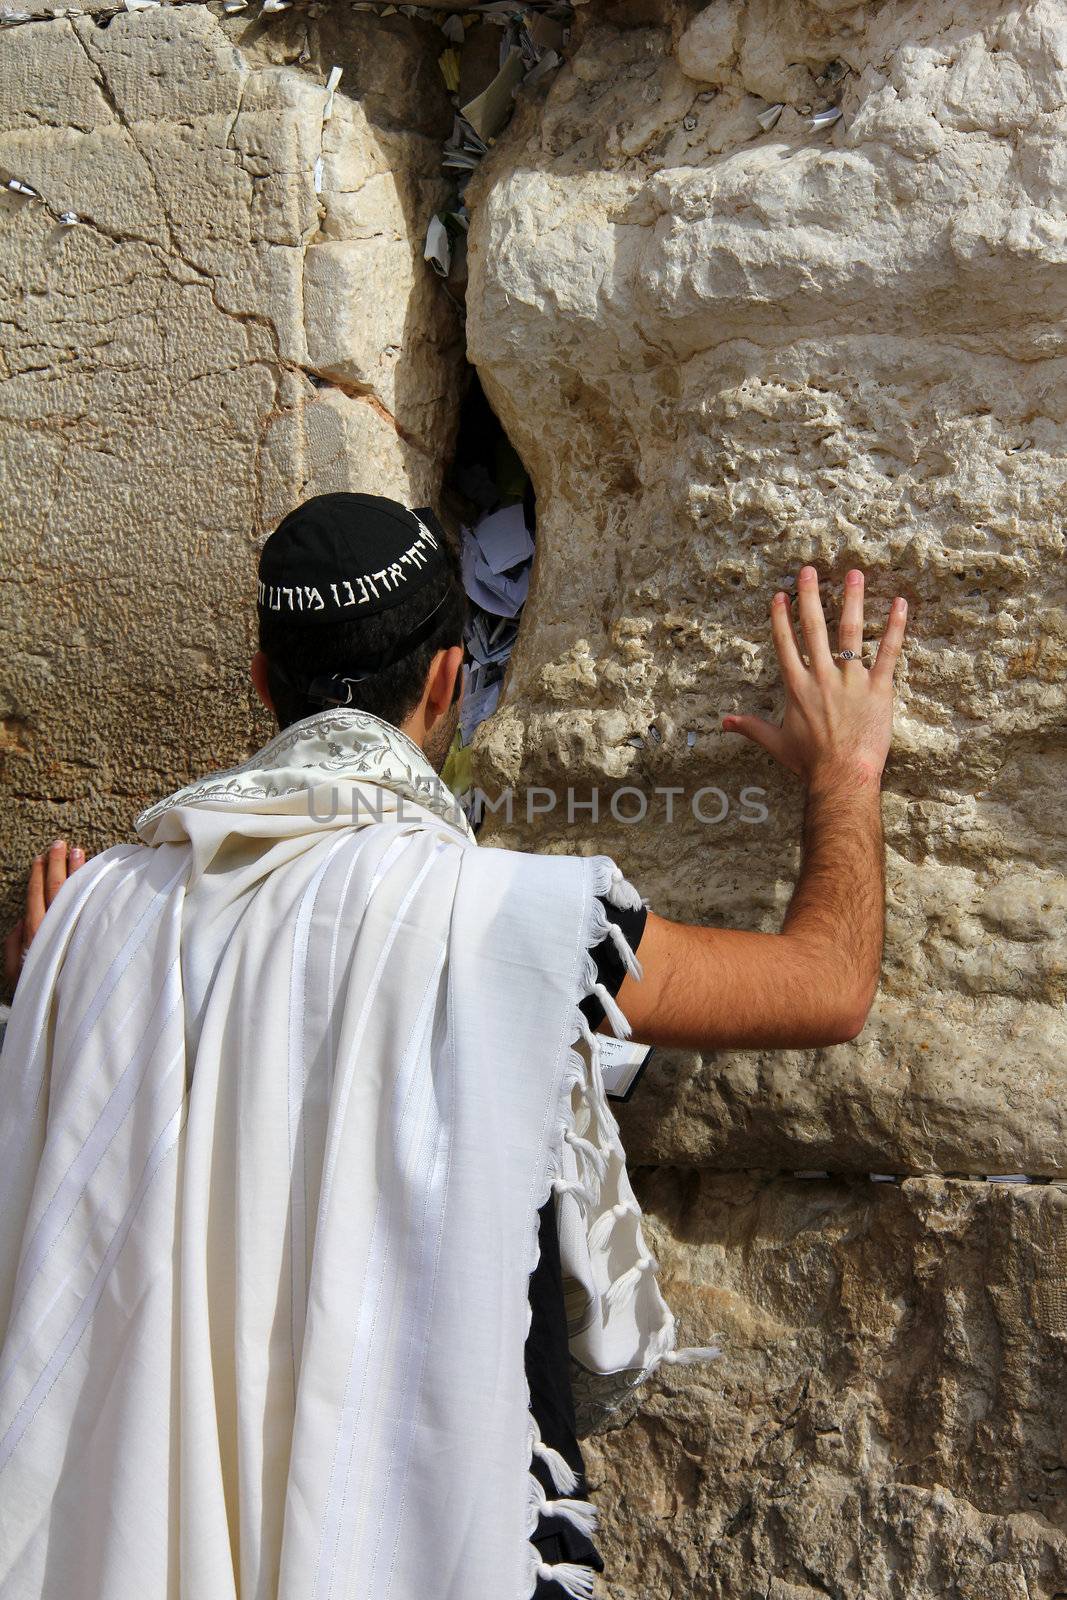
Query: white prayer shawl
[(282, 1092)]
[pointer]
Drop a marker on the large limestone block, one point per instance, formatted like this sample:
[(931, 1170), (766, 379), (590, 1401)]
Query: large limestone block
[(723, 352), (887, 1418), (241, 317)]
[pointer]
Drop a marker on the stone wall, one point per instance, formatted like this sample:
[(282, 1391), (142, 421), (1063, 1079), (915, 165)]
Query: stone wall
[(722, 349), (723, 352), (226, 329), (887, 1421)]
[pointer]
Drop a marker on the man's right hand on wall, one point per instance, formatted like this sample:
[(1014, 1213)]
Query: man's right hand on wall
[(814, 982), (838, 713)]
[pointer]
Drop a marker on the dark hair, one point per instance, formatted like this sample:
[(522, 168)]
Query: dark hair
[(334, 648)]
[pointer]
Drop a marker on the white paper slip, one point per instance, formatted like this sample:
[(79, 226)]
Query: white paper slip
[(437, 250), (621, 1065), (479, 701), (494, 592), (488, 113), (503, 539)]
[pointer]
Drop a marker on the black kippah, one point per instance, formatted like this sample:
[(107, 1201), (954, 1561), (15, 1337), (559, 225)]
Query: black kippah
[(342, 556)]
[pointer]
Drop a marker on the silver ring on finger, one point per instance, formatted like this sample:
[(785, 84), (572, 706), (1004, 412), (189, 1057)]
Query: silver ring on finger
[(847, 655)]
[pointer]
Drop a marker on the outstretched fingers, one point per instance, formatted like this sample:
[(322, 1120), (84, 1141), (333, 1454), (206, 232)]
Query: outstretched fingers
[(35, 900), (850, 628), (812, 620), (55, 871), (48, 874), (892, 639), (785, 640), (766, 734)]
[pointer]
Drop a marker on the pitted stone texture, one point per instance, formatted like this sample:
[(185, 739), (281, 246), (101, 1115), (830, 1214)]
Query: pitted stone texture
[(723, 352), (214, 340), (887, 1418)]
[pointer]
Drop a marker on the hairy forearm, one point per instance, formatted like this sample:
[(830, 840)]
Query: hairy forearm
[(837, 913), (807, 986)]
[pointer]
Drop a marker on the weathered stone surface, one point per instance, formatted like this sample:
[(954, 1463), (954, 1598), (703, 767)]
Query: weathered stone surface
[(724, 352), (887, 1419), (164, 362)]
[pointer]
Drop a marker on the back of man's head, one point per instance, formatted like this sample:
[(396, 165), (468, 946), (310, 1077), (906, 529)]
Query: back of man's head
[(356, 596)]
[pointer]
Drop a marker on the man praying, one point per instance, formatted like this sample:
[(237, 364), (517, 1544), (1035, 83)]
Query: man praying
[(303, 1127)]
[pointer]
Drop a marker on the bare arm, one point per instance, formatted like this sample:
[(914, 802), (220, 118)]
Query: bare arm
[(812, 983)]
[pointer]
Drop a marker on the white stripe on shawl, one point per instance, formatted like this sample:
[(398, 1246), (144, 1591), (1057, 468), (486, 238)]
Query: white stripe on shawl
[(349, 915), (151, 914), (333, 1145), (298, 1245), (336, 1533), (74, 1181), (35, 1022), (423, 1254), (62, 1353)]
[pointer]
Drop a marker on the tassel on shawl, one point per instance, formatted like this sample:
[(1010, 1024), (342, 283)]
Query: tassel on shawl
[(596, 1098), (564, 1478), (580, 1513), (601, 1230), (585, 1148), (691, 1355), (623, 1287), (687, 1356), (629, 959), (594, 1148), (586, 1033), (611, 883), (619, 1025), (575, 1580), (581, 1192)]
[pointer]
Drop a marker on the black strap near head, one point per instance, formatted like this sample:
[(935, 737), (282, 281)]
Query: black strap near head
[(335, 689)]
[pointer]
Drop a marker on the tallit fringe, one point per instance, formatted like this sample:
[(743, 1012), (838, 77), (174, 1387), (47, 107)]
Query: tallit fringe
[(691, 1355), (622, 1288), (619, 1025), (593, 1084), (581, 1514), (594, 1146), (610, 883), (564, 1478), (604, 1226), (580, 1191), (602, 928), (629, 957), (669, 1356), (573, 1579), (591, 985), (585, 1150)]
